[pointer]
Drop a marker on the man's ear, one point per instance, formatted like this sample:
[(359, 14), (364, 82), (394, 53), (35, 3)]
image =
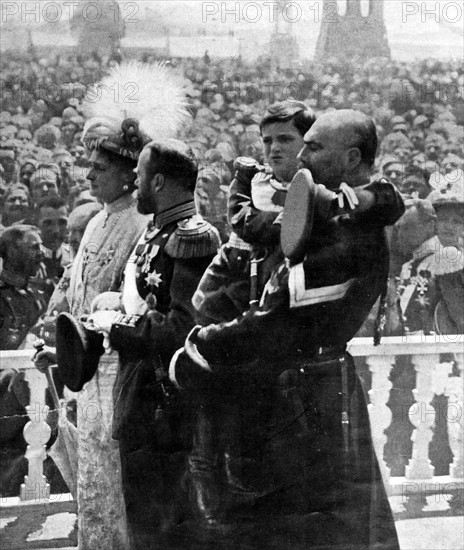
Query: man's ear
[(354, 159), (158, 182)]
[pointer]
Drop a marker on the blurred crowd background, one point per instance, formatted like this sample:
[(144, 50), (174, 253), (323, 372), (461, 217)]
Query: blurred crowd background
[(418, 108)]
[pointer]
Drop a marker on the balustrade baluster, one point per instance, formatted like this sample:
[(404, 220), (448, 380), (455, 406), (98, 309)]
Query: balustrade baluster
[(36, 433), (455, 420), (422, 416), (379, 413)]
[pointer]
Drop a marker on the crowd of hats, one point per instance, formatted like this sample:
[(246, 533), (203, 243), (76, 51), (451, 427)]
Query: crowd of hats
[(418, 108)]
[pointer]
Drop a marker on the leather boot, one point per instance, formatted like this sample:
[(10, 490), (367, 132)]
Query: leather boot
[(205, 498), (203, 483)]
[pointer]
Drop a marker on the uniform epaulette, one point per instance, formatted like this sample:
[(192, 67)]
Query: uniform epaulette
[(193, 238)]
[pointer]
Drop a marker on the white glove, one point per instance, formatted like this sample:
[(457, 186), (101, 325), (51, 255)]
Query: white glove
[(101, 321), (107, 300), (347, 193)]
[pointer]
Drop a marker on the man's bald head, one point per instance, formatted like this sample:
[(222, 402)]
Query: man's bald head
[(354, 129), (340, 146)]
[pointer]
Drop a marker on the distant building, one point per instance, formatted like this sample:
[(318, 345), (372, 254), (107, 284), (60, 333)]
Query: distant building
[(283, 46), (99, 27), (352, 34)]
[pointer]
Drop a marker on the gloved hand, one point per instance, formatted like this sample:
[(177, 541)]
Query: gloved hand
[(188, 368), (102, 321), (347, 197), (107, 301), (44, 358)]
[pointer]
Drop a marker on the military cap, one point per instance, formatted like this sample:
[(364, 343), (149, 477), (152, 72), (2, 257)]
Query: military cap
[(78, 351), (303, 199)]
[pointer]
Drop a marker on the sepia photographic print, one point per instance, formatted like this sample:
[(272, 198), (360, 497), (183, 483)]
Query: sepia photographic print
[(231, 275)]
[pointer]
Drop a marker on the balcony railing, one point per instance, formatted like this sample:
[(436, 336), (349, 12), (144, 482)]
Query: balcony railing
[(437, 362), (36, 518), (434, 364)]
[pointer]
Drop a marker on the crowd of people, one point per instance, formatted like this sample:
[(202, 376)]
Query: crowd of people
[(417, 108), (74, 241)]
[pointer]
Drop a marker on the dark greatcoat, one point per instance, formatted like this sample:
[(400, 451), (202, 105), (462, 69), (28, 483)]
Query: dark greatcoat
[(321, 486)]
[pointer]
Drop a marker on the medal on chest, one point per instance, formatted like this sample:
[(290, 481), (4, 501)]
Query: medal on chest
[(147, 254), (148, 278), (153, 281)]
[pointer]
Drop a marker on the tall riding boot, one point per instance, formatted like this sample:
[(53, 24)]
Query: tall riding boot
[(204, 488)]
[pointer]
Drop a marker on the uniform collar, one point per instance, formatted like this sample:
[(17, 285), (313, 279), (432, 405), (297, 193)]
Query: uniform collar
[(175, 213), (52, 254), (119, 204)]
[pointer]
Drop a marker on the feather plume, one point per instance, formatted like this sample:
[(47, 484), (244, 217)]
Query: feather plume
[(153, 94)]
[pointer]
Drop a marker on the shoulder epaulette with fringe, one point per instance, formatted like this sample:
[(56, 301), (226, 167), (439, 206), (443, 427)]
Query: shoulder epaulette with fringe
[(193, 238)]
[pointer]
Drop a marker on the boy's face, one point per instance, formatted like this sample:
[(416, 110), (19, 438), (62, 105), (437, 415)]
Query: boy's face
[(282, 143)]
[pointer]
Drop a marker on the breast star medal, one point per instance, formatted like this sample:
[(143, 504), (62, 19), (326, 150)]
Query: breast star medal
[(153, 281)]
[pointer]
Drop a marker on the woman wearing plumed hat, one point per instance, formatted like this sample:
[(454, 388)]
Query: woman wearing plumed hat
[(114, 134)]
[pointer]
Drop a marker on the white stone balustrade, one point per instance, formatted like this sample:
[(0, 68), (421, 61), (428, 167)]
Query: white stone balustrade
[(422, 416), (36, 432), (454, 389), (380, 415), (434, 376)]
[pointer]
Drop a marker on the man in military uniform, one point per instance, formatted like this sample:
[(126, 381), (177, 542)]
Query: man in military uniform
[(415, 240), (324, 487), (448, 300), (152, 424), (234, 282), (21, 253), (52, 220)]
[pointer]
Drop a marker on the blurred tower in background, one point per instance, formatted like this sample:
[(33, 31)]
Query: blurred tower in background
[(283, 46), (99, 27), (352, 34)]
